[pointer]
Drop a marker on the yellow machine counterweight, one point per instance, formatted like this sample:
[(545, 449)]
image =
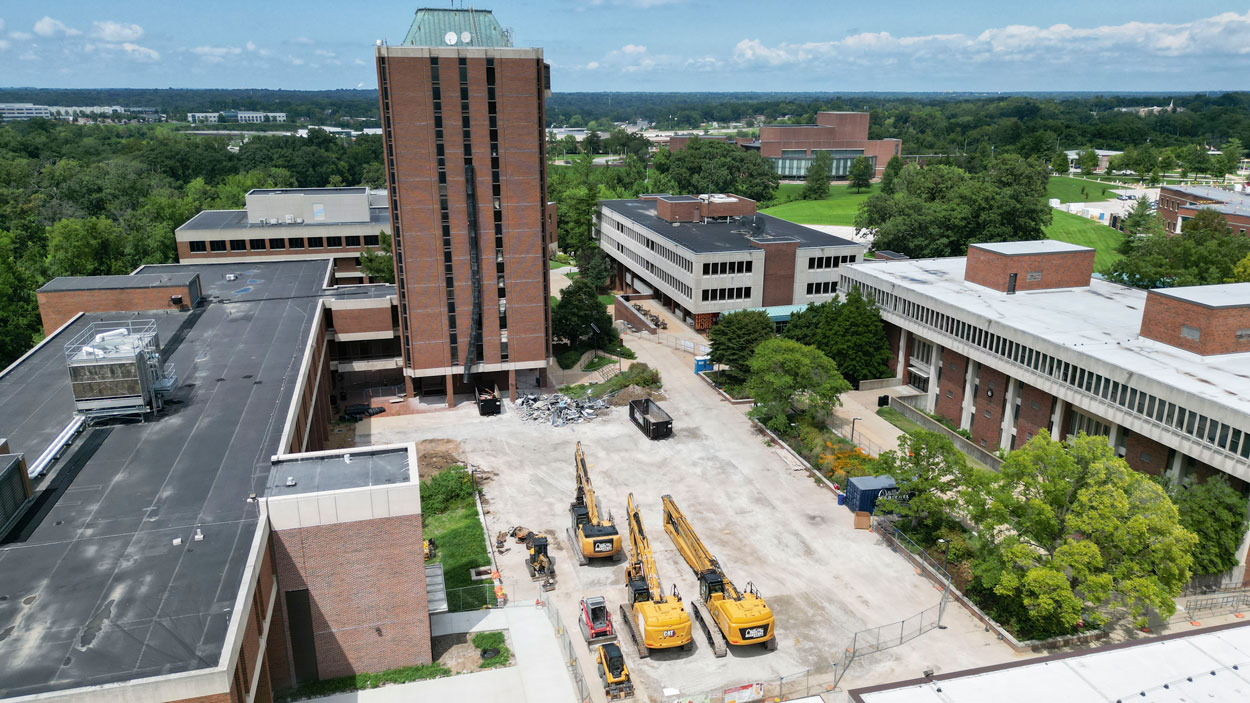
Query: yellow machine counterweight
[(590, 535)]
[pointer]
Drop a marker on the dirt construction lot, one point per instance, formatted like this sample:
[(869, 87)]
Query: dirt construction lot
[(761, 514)]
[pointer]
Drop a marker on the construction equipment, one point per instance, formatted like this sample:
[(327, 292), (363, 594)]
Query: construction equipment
[(739, 617), (595, 621), (614, 673), (654, 619), (590, 536), (539, 562), (430, 547)]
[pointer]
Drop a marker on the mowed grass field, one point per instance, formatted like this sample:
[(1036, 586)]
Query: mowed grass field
[(1068, 190), (1075, 229), (838, 209)]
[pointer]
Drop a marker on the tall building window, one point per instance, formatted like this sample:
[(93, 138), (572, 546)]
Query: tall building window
[(436, 92), (497, 210)]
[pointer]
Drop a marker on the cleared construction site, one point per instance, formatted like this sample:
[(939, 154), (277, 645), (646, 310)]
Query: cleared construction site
[(762, 516)]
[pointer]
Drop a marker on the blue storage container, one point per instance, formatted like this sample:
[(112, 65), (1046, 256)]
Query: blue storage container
[(862, 491)]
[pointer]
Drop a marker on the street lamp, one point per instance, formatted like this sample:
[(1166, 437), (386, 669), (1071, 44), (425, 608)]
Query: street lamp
[(946, 554), (853, 421)]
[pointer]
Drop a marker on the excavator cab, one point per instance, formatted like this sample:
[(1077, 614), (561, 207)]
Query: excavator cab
[(710, 584), (639, 591), (539, 562)]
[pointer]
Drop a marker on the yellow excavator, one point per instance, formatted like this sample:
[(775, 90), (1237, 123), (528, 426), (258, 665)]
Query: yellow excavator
[(590, 536), (738, 617), (655, 620)]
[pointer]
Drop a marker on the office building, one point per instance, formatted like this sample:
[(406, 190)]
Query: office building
[(1179, 203), (791, 147), (1104, 158), (291, 223), (462, 120), (1018, 337), (701, 256), (24, 111), (216, 552)]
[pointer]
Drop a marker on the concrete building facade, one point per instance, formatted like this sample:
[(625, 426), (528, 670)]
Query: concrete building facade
[(291, 223), (701, 256), (1160, 373), (1179, 203), (791, 148), (462, 119)]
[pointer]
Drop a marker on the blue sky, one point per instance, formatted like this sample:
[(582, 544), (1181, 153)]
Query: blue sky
[(664, 45)]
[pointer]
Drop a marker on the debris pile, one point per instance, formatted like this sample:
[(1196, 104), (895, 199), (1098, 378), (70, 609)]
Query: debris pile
[(558, 409), (622, 397)]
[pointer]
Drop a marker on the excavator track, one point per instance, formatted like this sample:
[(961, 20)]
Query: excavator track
[(576, 547), (628, 619), (714, 636)]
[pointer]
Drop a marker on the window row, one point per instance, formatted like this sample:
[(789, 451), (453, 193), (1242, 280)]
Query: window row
[(280, 243), (715, 295), (671, 256), (1132, 400), (815, 263), (726, 268), (822, 287), (654, 271)]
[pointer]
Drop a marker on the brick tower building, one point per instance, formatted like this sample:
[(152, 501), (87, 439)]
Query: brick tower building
[(463, 123)]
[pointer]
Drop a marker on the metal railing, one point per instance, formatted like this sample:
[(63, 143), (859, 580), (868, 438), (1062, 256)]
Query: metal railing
[(1228, 603), (841, 426), (566, 649), (475, 597)]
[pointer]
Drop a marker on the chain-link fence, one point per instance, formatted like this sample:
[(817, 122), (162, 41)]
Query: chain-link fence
[(897, 538), (567, 650), (843, 427), (474, 597)]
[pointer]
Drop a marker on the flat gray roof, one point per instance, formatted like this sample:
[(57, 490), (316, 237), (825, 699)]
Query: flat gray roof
[(147, 280), (237, 219), (1208, 664), (1101, 321), (1223, 295), (359, 190), (719, 237), (94, 590), (1038, 246), (338, 471), (1228, 202)]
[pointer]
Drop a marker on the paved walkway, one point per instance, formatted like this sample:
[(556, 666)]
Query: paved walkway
[(538, 675), (873, 432)]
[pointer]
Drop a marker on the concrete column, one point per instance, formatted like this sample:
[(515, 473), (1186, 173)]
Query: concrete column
[(408, 386), (1009, 412), (1176, 471), (935, 368), (900, 368), (969, 405), (512, 384), (1056, 417), (451, 391), (1115, 438)]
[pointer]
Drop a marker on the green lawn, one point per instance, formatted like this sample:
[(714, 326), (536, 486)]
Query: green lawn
[(1075, 229), (1068, 190), (897, 419), (838, 209), (461, 543)]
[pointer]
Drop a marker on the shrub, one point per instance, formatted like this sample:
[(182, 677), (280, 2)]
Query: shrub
[(360, 682), (492, 640), (446, 490), (568, 358)]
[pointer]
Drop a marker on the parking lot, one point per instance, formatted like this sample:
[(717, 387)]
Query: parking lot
[(760, 513)]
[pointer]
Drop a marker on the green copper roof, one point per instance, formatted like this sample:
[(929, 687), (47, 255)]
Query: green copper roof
[(436, 27)]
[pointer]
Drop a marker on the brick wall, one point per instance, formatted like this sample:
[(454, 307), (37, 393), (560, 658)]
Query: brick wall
[(677, 211), (315, 400), (1058, 270), (1144, 454), (778, 272), (1164, 316), (357, 320), (367, 590), (892, 334), (1036, 406), (58, 307), (987, 423), (950, 396)]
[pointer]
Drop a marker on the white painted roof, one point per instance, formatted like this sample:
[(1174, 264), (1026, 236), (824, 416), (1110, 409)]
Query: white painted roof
[(1224, 295), (1183, 665), (1039, 246)]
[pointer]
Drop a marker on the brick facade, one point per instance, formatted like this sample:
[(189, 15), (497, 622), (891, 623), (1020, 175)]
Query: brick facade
[(1218, 327), (1068, 269), (987, 422), (1036, 407), (58, 307), (367, 590), (778, 272), (314, 402), (362, 320), (892, 334), (1145, 454), (950, 394), (1175, 204)]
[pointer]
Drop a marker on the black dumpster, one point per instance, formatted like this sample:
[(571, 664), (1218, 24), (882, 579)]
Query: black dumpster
[(487, 401), (650, 418)]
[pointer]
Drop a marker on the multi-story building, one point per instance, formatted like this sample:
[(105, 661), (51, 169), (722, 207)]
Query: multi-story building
[(24, 111), (791, 147), (1018, 337), (1179, 203), (1104, 158), (462, 119), (216, 552), (241, 116), (203, 117), (291, 223), (700, 256)]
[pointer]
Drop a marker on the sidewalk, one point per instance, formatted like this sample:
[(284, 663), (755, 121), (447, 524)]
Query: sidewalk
[(872, 431)]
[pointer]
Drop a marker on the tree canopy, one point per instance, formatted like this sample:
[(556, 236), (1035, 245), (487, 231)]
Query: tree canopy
[(861, 173), (579, 314), (892, 168), (930, 473), (734, 338), (849, 331), (713, 166), (816, 185), (379, 264), (1205, 252), (1216, 512), (785, 376)]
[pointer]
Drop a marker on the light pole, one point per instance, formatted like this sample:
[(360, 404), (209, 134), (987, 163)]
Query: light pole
[(945, 592), (945, 554), (853, 421)]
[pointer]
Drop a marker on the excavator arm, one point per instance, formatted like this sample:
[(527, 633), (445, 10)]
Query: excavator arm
[(590, 535), (654, 619), (585, 491)]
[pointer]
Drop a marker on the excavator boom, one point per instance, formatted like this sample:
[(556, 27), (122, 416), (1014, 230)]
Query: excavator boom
[(590, 535), (655, 620)]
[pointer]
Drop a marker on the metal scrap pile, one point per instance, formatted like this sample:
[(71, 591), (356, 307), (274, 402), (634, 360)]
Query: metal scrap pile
[(560, 410)]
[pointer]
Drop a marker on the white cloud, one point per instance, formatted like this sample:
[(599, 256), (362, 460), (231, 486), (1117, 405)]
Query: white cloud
[(1, 23), (140, 53), (303, 40), (323, 52), (636, 4), (215, 54), (28, 56), (359, 62), (634, 58), (1220, 35), (633, 49), (592, 65), (111, 31), (4, 44), (251, 46), (48, 27), (21, 36)]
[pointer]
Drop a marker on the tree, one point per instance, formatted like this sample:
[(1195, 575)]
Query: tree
[(929, 472), (711, 166), (1205, 252), (816, 187), (1231, 155), (1059, 163), (784, 374), (579, 318), (85, 247), (734, 338), (1142, 221), (861, 173), (1216, 512), (593, 265), (849, 331), (379, 264), (373, 175), (19, 310), (893, 167), (1074, 536), (593, 143), (1241, 272), (1087, 161)]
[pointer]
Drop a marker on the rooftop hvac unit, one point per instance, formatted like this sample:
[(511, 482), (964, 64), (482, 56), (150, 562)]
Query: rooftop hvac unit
[(273, 220), (115, 368), (290, 219), (299, 220)]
